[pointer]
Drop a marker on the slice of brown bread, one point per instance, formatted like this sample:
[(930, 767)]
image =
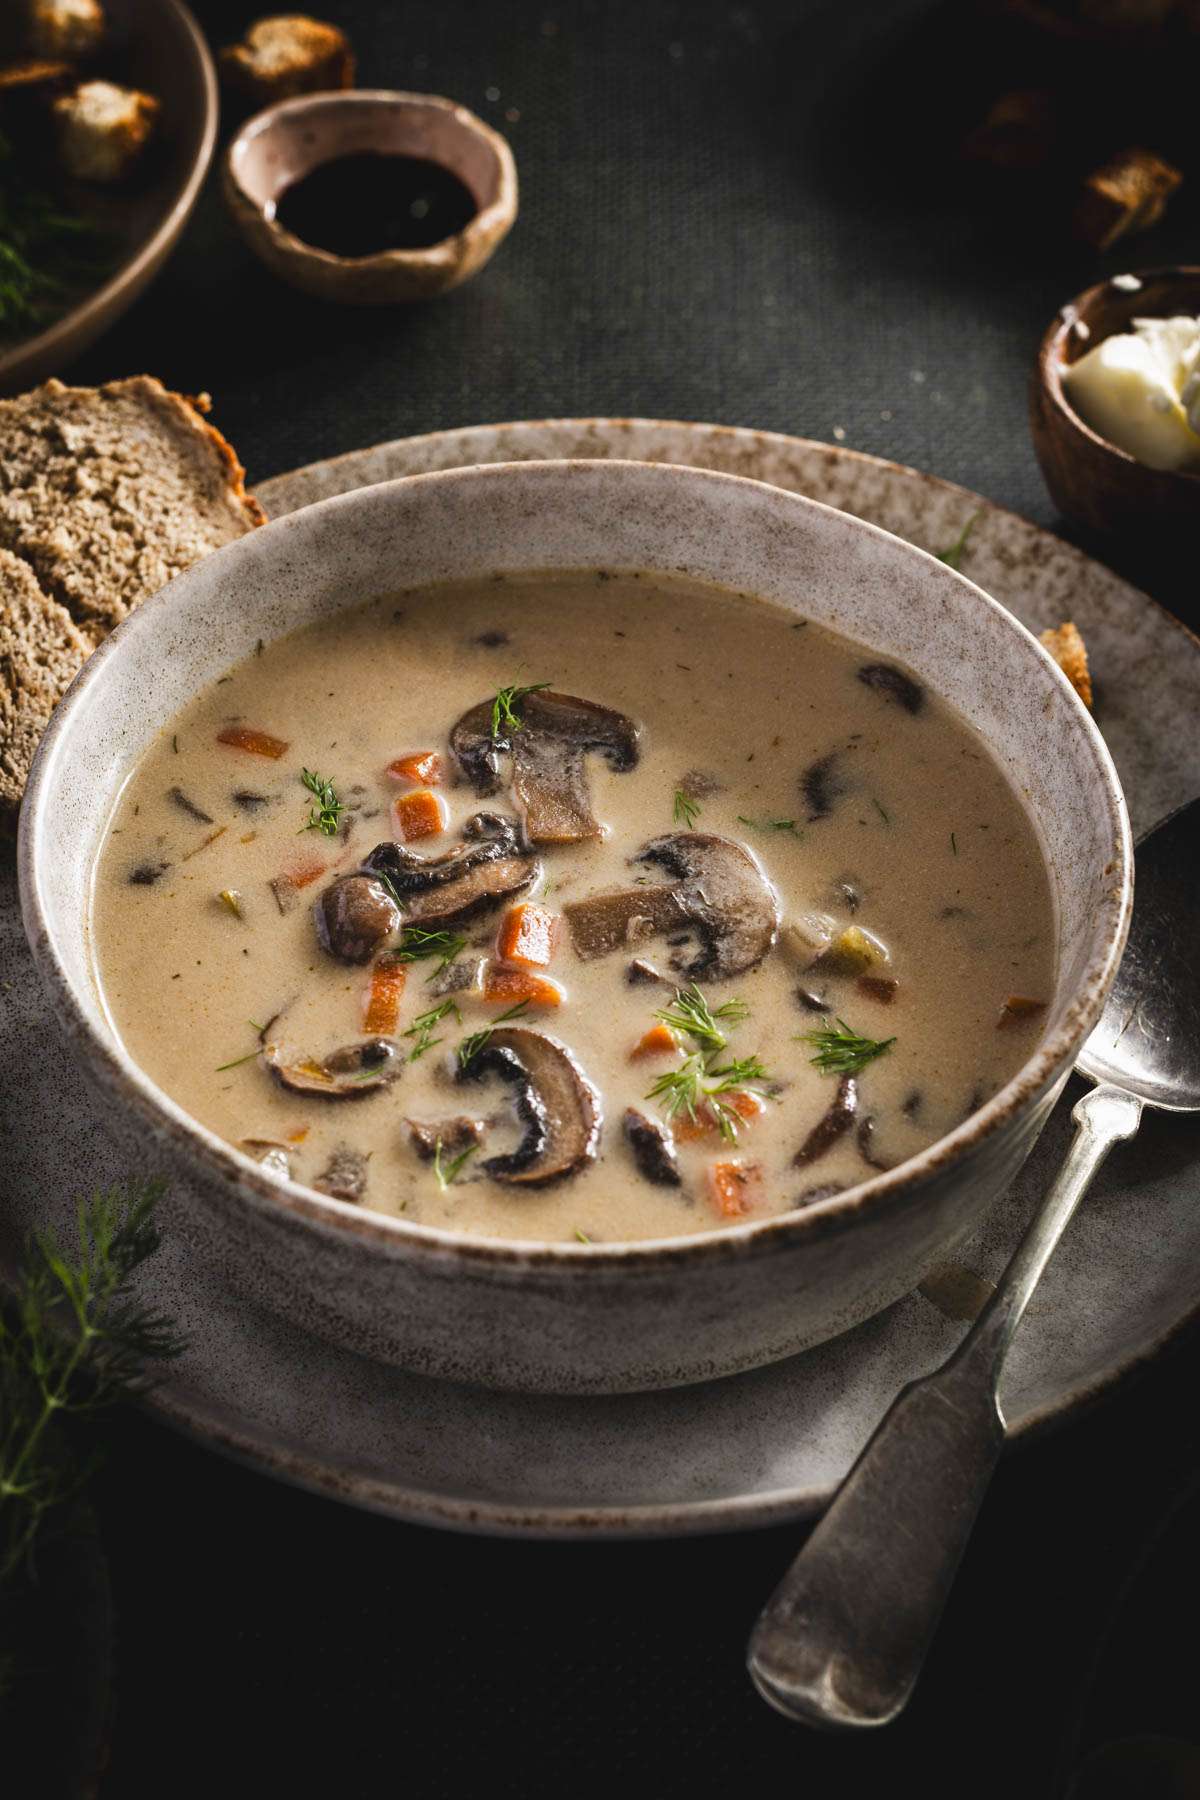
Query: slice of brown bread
[(41, 652), (105, 494), (108, 492)]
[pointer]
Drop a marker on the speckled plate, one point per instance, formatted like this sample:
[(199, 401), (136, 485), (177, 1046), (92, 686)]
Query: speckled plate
[(758, 1448)]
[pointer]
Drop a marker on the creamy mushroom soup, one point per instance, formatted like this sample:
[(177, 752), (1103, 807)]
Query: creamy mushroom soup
[(576, 908)]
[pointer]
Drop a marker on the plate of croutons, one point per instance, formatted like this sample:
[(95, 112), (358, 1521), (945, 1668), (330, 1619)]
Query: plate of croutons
[(108, 117)]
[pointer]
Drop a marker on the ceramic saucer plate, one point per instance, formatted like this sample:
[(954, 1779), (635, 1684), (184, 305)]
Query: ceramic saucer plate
[(759, 1448)]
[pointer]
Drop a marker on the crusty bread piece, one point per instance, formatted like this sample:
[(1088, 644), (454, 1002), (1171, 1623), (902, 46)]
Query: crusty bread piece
[(103, 129), (108, 492), (286, 55), (1069, 651), (73, 29), (41, 652)]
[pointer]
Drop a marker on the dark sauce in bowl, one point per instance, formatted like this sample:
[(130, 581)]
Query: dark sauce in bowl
[(362, 205)]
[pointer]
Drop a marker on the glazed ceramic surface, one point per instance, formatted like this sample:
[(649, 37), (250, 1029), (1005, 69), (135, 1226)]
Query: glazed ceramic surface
[(163, 52), (765, 1446), (279, 146), (582, 1318)]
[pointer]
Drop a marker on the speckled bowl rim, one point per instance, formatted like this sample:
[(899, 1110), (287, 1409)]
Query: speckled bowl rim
[(496, 217), (1048, 370), (58, 338), (296, 1207)]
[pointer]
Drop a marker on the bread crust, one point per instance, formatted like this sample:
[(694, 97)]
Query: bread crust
[(1065, 644)]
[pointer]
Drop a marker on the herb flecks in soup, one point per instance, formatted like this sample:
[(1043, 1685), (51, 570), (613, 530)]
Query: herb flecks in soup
[(573, 908)]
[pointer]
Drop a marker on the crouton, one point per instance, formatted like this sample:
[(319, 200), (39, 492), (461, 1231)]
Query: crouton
[(1129, 193), (103, 129), (1069, 651), (287, 55), (70, 29)]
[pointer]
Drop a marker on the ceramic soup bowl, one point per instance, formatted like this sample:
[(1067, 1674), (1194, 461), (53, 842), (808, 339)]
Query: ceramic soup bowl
[(575, 1317)]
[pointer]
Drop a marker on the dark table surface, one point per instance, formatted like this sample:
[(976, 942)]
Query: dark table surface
[(750, 214)]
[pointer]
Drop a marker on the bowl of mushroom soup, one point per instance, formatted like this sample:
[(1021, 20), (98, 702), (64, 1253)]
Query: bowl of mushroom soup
[(578, 927)]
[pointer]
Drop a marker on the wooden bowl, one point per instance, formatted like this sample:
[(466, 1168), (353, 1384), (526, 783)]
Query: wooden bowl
[(163, 51), (1091, 481), (286, 142)]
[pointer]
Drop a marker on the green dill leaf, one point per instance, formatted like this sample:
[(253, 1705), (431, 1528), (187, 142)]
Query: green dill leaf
[(841, 1051), (685, 811), (415, 945), (328, 810), (236, 1063), (506, 709), (582, 1236), (48, 255), (952, 555), (446, 1175), (953, 844), (691, 1014), (470, 1047), (792, 825), (424, 1025), (885, 816)]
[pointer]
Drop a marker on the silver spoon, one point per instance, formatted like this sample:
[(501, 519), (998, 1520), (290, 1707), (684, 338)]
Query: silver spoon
[(842, 1639)]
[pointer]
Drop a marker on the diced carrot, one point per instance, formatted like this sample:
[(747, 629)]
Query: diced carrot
[(423, 768), (736, 1187), (505, 987), (747, 1106), (258, 743), (1018, 1009), (302, 874), (660, 1040), (298, 1136), (381, 1008), (528, 936), (418, 815)]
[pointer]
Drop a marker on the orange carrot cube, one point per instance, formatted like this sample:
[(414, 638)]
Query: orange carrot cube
[(422, 767), (506, 987), (1018, 1009), (418, 815), (747, 1106), (660, 1040), (303, 873), (736, 1188), (257, 743), (528, 936), (381, 1003)]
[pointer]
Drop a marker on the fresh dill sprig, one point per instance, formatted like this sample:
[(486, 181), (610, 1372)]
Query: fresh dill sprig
[(841, 1051), (792, 825), (506, 716), (425, 1024), (415, 945), (470, 1047), (691, 1014), (236, 1063), (328, 809), (72, 1341), (446, 1175), (685, 810), (46, 253), (696, 1083), (952, 555)]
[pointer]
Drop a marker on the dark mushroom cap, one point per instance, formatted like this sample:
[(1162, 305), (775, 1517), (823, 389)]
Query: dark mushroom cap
[(555, 1102), (345, 1074), (653, 1150), (353, 916), (833, 1124), (344, 1176), (718, 894), (549, 780), (492, 863)]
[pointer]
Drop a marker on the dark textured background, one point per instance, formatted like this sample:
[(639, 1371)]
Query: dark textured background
[(749, 214)]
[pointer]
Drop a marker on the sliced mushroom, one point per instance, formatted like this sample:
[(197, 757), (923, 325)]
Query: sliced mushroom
[(894, 685), (345, 1074), (354, 916), (822, 786), (491, 864), (555, 1103), (641, 973), (652, 1149), (718, 894), (549, 779), (864, 1137), (832, 1125), (180, 799), (823, 1191), (457, 977), (147, 873), (344, 1176), (454, 1135)]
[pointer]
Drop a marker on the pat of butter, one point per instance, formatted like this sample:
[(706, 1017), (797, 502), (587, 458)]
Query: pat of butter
[(1141, 391)]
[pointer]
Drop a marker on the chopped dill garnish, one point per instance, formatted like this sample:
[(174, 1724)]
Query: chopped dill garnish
[(953, 844), (415, 945), (952, 555), (425, 1024), (328, 809), (506, 716), (841, 1051), (690, 1013), (582, 1236), (696, 1083), (47, 254), (885, 816), (470, 1047), (236, 1063), (791, 825), (685, 811), (446, 1176)]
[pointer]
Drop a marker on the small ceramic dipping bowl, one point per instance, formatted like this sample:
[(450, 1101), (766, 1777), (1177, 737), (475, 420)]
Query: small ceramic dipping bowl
[(1091, 481), (550, 1316), (280, 146)]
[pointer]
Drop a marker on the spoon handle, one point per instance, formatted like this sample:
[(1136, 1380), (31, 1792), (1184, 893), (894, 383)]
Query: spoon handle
[(842, 1639)]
